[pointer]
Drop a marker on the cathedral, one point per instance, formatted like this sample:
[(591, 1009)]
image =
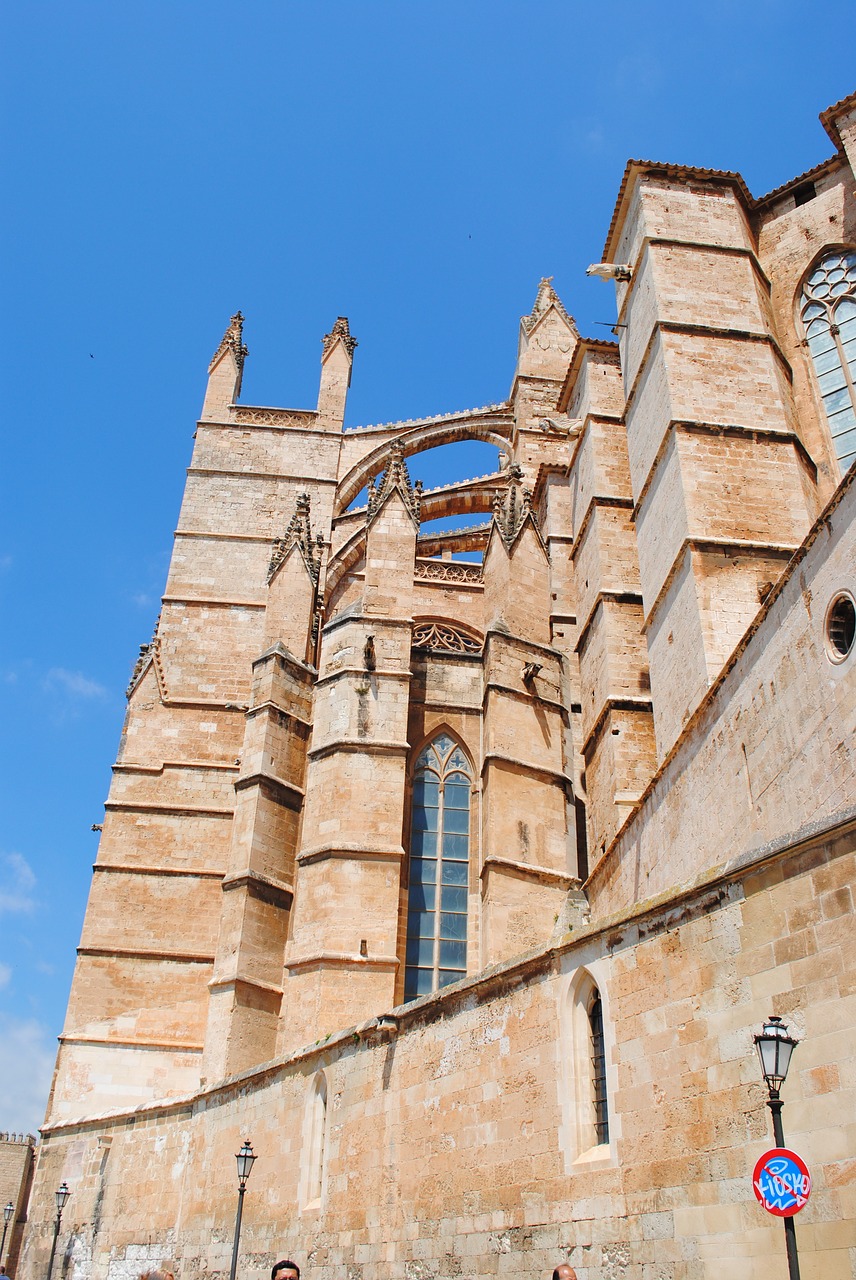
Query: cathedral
[(457, 870)]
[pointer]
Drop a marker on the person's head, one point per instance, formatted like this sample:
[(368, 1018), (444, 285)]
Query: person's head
[(564, 1271), (285, 1270), (157, 1275)]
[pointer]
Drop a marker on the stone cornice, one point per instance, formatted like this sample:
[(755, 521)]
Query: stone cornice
[(596, 500), (642, 706), (147, 953), (198, 811), (527, 766), (363, 746), (734, 430), (277, 893), (349, 853), (285, 793), (342, 960), (529, 871), (615, 597), (130, 869), (723, 546)]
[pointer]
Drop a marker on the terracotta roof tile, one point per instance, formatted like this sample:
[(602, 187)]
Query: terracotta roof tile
[(827, 117), (673, 171), (817, 171)]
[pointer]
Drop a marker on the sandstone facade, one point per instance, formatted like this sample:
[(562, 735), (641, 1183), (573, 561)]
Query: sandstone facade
[(461, 888)]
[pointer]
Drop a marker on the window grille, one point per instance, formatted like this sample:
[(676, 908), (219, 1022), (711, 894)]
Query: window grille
[(439, 869), (598, 1070), (828, 311)]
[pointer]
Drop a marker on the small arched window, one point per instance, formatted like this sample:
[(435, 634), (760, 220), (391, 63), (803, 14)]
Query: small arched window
[(586, 1085), (314, 1142), (598, 1068), (828, 312), (439, 869)]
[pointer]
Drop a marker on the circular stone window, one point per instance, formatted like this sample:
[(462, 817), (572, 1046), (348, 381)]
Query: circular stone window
[(840, 627)]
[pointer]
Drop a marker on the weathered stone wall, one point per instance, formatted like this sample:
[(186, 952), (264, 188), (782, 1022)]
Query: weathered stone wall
[(461, 1146), (770, 751), (16, 1176)]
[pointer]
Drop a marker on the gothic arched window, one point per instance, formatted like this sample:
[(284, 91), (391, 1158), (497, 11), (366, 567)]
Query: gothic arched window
[(598, 1068), (586, 1081), (828, 312), (314, 1142), (439, 869)]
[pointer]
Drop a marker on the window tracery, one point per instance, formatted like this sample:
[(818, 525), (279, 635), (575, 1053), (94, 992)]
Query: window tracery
[(442, 635), (828, 313), (439, 869)]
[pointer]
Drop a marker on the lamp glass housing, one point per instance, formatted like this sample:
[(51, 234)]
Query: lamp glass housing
[(775, 1047), (245, 1159), (8, 1211), (62, 1194)]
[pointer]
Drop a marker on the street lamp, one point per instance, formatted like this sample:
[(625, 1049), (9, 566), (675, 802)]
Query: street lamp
[(7, 1218), (61, 1195), (246, 1160), (775, 1047)]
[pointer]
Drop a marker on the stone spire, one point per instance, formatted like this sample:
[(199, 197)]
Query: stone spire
[(546, 298), (232, 340), (299, 534), (397, 477), (226, 371), (337, 359), (340, 331)]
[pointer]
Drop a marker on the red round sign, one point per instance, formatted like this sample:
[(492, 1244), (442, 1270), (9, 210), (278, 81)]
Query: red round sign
[(782, 1182)]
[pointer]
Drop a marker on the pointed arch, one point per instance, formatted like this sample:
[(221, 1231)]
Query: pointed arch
[(314, 1143), (826, 304), (438, 881), (584, 1037)]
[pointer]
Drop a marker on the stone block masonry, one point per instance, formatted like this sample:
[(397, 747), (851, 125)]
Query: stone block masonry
[(460, 888)]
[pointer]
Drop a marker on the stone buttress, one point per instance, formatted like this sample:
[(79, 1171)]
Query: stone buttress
[(711, 427), (341, 960)]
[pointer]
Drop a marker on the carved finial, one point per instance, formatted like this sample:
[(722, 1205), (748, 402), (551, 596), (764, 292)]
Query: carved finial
[(513, 507), (232, 339), (146, 650), (299, 534), (340, 330), (397, 477), (545, 298)]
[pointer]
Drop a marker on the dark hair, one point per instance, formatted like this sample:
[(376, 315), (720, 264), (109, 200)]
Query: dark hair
[(281, 1266)]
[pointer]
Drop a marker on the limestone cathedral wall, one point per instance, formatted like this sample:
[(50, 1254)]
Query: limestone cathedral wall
[(658, 734), (459, 1143)]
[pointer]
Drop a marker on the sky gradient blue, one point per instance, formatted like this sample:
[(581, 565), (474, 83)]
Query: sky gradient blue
[(416, 167)]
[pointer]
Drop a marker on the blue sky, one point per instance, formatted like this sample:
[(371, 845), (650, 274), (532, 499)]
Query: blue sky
[(417, 167)]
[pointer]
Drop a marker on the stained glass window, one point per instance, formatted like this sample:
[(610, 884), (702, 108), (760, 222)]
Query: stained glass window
[(439, 869), (829, 315)]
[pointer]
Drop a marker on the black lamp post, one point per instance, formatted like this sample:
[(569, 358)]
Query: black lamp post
[(61, 1195), (7, 1218), (246, 1160), (775, 1047)]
